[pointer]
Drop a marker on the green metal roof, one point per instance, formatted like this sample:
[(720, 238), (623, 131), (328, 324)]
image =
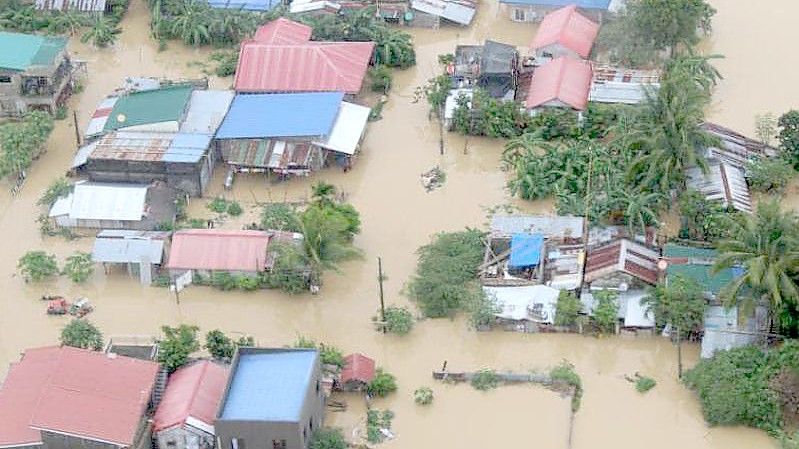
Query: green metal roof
[(149, 106), (28, 50), (702, 275), (689, 252)]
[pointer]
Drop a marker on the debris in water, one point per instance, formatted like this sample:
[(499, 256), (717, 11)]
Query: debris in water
[(433, 178)]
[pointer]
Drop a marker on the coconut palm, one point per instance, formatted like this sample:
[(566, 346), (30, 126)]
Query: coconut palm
[(697, 67), (67, 21), (766, 249), (192, 24), (393, 48), (102, 33), (639, 208)]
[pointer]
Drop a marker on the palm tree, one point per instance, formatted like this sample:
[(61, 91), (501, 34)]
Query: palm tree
[(639, 208), (102, 33), (766, 249), (323, 193), (192, 24), (697, 67), (393, 47), (67, 21)]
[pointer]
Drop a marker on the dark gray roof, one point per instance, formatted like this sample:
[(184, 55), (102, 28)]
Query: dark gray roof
[(497, 58)]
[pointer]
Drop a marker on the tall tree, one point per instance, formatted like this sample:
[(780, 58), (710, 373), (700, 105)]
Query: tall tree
[(665, 24), (177, 345)]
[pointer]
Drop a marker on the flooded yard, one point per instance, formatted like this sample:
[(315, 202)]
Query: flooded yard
[(397, 217)]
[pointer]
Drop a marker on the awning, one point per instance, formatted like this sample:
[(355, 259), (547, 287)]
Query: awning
[(347, 129), (525, 250), (82, 156)]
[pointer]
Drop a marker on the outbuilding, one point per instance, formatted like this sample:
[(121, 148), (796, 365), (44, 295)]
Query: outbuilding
[(565, 32), (141, 252), (563, 83), (358, 371)]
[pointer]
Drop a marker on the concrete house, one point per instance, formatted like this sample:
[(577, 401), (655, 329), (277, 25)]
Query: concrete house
[(35, 73), (536, 10), (434, 13), (565, 32), (64, 398), (140, 252), (273, 400), (187, 411), (491, 66)]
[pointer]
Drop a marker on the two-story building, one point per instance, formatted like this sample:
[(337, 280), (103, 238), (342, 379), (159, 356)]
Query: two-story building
[(35, 73)]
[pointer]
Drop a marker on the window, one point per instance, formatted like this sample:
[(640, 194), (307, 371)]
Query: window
[(5, 79), (238, 443), (278, 444), (317, 386), (171, 443), (304, 434), (519, 15), (310, 423)]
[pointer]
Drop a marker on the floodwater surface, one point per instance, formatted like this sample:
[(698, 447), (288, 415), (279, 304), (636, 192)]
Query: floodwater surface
[(398, 216)]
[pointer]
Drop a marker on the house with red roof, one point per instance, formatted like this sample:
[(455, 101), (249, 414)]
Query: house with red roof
[(281, 58), (186, 414), (561, 83), (358, 371), (64, 397), (565, 32), (206, 251)]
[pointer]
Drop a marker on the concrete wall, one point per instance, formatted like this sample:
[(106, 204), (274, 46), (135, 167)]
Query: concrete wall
[(189, 178), (13, 102), (536, 13), (185, 437)]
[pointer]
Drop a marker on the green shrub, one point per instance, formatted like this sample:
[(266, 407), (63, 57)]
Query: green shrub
[(60, 187), (291, 270), (218, 205), (248, 283), (606, 311), (80, 333), (223, 281), (423, 395), (482, 310), (162, 280), (380, 78), (328, 438), (445, 279), (399, 320), (382, 385), (79, 266), (566, 375), (328, 354), (376, 420), (226, 62), (234, 209), (644, 384), (567, 309), (177, 345), (280, 217), (485, 379), (37, 265), (769, 174)]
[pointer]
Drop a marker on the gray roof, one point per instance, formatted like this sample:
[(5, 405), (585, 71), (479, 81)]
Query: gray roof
[(128, 247), (71, 5), (497, 58), (550, 226), (736, 149), (207, 109), (618, 92), (449, 10), (722, 182)]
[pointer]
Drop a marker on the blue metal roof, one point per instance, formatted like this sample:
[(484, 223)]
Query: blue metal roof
[(187, 147), (269, 385), (525, 250), (586, 4), (249, 5), (261, 116)]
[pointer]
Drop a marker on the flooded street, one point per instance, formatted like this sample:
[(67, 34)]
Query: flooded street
[(397, 217)]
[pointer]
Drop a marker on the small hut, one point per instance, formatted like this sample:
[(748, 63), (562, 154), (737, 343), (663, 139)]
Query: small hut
[(358, 371)]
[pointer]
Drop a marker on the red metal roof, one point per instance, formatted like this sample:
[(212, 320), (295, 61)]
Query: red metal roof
[(563, 79), (211, 249), (358, 367), (193, 391), (282, 59), (74, 391), (569, 28), (283, 32), (624, 256)]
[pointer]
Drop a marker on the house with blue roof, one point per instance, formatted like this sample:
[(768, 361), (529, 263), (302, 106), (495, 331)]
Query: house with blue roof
[(273, 400), (535, 10), (182, 160), (290, 133), (35, 73)]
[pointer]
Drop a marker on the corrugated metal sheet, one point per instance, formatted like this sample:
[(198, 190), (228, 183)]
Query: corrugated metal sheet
[(299, 7), (347, 130), (166, 104), (82, 155), (453, 11), (564, 80), (498, 58), (736, 149), (282, 31), (71, 5), (193, 391), (267, 64), (722, 182), (210, 249), (248, 5), (98, 201), (623, 256), (151, 146), (568, 28), (280, 115), (358, 367), (207, 109), (28, 50), (100, 117), (585, 4), (532, 302), (272, 154), (557, 227), (127, 250)]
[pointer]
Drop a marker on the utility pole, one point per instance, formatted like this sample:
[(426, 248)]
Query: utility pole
[(75, 123), (382, 303)]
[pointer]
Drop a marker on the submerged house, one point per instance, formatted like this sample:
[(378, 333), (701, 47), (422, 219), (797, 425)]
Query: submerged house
[(65, 397), (281, 58), (529, 250), (358, 371), (524, 308), (84, 6), (181, 160), (565, 32), (35, 73), (491, 67), (141, 252), (290, 134), (563, 82), (631, 313), (185, 416), (621, 265), (735, 149), (621, 85), (160, 109), (273, 399), (536, 10), (432, 13), (115, 206), (206, 251)]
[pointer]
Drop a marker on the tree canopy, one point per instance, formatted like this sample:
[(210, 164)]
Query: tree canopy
[(80, 333), (177, 345)]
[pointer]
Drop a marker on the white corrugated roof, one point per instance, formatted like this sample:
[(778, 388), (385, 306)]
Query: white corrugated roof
[(207, 109), (127, 250), (520, 303), (82, 155), (347, 129), (722, 182), (299, 6), (550, 226), (96, 201), (451, 11), (619, 92), (100, 116)]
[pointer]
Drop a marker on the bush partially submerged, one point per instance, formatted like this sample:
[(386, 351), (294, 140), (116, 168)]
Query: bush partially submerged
[(328, 438), (423, 395), (399, 320), (375, 422), (644, 384), (382, 385), (565, 374), (485, 379)]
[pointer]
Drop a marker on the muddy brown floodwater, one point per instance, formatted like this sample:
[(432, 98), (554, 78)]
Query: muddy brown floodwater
[(398, 216)]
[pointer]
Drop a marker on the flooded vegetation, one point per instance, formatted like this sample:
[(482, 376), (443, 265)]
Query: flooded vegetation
[(399, 215)]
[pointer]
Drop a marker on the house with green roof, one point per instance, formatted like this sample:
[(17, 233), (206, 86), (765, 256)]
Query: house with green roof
[(162, 109), (697, 264), (35, 73)]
